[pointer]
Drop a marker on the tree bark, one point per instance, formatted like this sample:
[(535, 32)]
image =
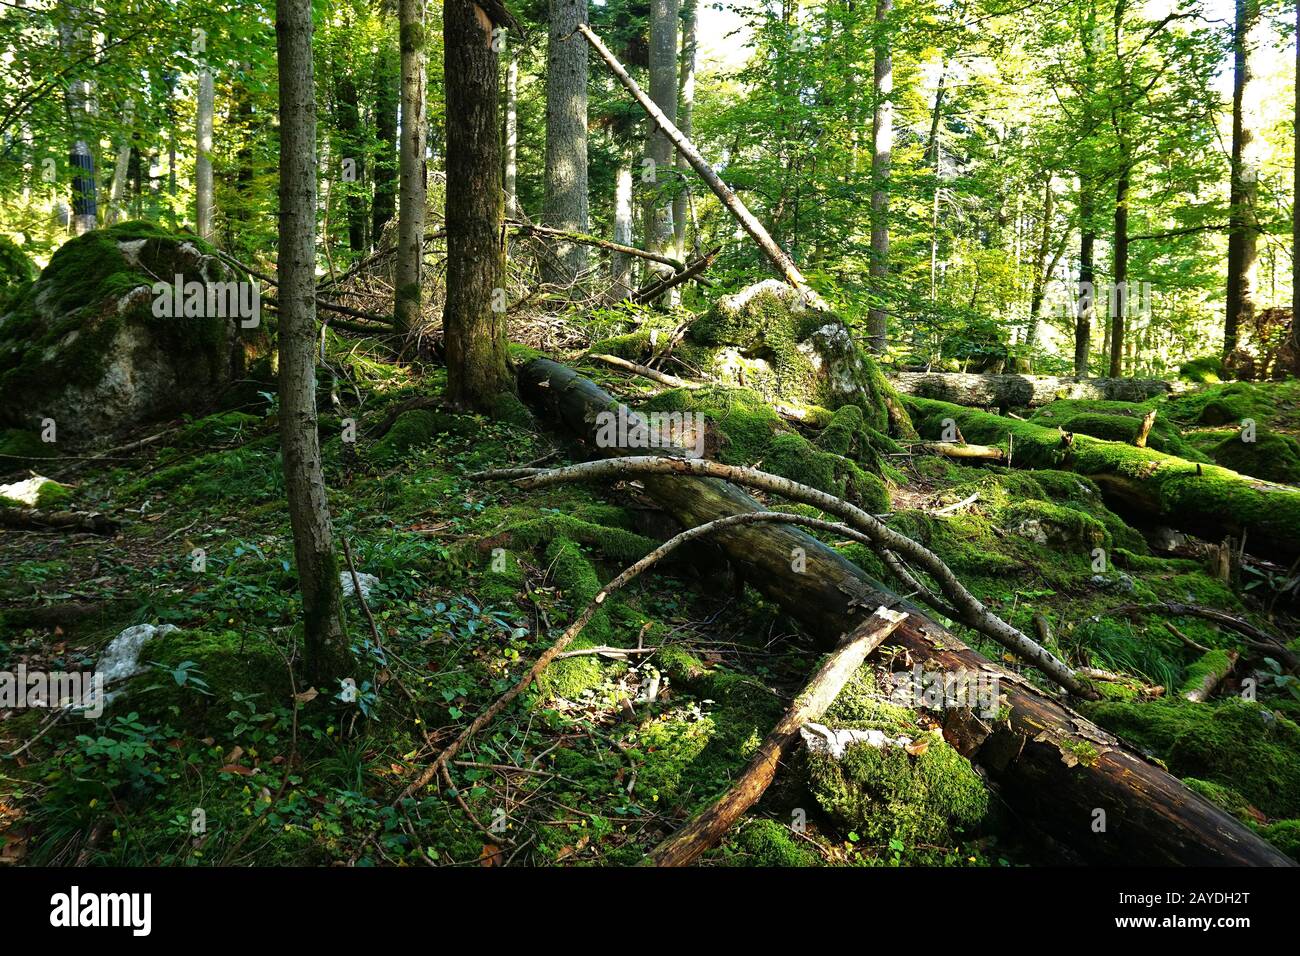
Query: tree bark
[(1086, 305), (512, 133), (351, 151), (882, 148), (387, 97), (658, 213), (204, 204), (1117, 301), (565, 203), (1243, 227), (76, 41), (686, 120), (620, 266), (408, 304), (327, 656), (1152, 817), (474, 316)]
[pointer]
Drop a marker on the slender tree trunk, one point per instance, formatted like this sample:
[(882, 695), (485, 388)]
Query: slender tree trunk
[(512, 134), (1042, 266), (565, 202), (351, 156), (76, 42), (1242, 225), (685, 122), (659, 149), (388, 87), (409, 301), (121, 170), (1117, 301), (318, 576), (474, 317), (882, 147), (203, 114), (1086, 304), (1295, 194), (621, 264)]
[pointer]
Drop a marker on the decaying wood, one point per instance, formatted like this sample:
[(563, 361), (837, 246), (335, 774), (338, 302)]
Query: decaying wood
[(1029, 750), (582, 239), (1144, 430), (663, 378), (779, 257), (1214, 676), (37, 519), (1026, 391), (708, 827), (692, 271), (952, 449)]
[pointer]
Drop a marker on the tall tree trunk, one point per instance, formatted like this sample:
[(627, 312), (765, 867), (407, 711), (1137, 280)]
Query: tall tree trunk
[(882, 147), (659, 148), (409, 301), (318, 577), (351, 150), (1243, 227), (117, 207), (1042, 265), (388, 87), (76, 41), (565, 201), (474, 317), (1295, 194), (621, 263), (203, 116), (685, 123), (512, 134), (1086, 304), (1117, 301)]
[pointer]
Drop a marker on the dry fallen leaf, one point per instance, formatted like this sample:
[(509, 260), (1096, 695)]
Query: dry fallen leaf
[(490, 855), (307, 696)]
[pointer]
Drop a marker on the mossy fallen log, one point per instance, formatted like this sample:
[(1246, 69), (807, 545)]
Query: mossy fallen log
[(1053, 767), (1203, 498), (1026, 391)]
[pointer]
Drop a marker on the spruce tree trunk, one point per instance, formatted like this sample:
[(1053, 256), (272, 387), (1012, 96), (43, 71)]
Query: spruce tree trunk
[(409, 299), (1242, 225), (387, 95), (882, 147), (685, 123), (663, 91), (318, 576), (512, 135), (565, 204), (203, 115), (474, 318)]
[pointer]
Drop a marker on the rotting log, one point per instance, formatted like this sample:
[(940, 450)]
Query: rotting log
[(1206, 499), (36, 519), (952, 449), (1051, 765), (1026, 391)]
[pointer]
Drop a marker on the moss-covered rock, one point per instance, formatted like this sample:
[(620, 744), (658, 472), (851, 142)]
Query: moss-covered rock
[(16, 269), (84, 346)]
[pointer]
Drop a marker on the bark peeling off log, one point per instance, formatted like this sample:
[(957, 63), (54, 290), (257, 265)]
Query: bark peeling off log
[(1052, 765)]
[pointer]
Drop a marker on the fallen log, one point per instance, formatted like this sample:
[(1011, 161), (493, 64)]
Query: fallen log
[(36, 519), (1214, 669), (952, 449), (1026, 391), (1052, 766), (663, 378), (1206, 499), (582, 239), (708, 827), (652, 292)]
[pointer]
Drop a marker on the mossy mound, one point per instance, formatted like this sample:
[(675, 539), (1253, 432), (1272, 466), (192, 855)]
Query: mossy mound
[(767, 843), (1285, 835), (1206, 370), (1233, 743), (16, 270), (83, 346), (1226, 404), (1270, 456)]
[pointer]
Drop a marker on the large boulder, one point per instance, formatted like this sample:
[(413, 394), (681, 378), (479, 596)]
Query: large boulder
[(96, 345)]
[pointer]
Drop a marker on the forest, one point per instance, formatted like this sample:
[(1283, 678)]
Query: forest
[(383, 383)]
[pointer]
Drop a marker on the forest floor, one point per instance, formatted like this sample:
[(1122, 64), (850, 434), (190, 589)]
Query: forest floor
[(215, 754)]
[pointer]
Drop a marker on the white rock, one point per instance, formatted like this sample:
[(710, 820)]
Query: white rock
[(368, 582), (27, 491), (822, 739), (121, 659)]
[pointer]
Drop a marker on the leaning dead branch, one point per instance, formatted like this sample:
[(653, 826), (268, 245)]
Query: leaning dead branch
[(684, 846), (971, 611), (663, 378)]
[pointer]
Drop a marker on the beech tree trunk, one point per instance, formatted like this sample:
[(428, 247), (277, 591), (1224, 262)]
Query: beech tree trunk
[(1243, 227), (882, 149), (76, 42), (685, 121), (1151, 817), (408, 304), (565, 204), (351, 155), (659, 148), (512, 134), (620, 265), (203, 197), (327, 657), (474, 316), (387, 97)]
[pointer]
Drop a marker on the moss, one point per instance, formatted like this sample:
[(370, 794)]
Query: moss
[(1215, 661), (1225, 798), (504, 580), (18, 446), (888, 794), (1057, 525), (1205, 370), (745, 419), (1231, 742), (1271, 456), (1226, 404), (220, 429), (1285, 835), (616, 543), (793, 456), (767, 843), (15, 268), (412, 429), (579, 583), (848, 434)]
